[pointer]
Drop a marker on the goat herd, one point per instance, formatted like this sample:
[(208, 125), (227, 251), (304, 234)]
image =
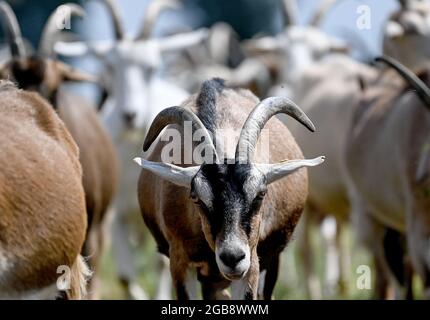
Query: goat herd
[(224, 214)]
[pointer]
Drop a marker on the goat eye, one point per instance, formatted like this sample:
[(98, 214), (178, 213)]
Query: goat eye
[(194, 198), (261, 194)]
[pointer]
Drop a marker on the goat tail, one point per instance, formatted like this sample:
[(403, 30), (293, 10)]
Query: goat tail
[(80, 275)]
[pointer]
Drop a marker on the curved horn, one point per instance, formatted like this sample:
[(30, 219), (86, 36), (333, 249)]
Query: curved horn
[(51, 29), (12, 31), (177, 115), (116, 18), (421, 88), (152, 12), (321, 12), (257, 120), (290, 12)]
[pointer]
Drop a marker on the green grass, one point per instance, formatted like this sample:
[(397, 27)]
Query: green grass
[(146, 266), (291, 283)]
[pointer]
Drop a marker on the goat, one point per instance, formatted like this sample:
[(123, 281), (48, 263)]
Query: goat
[(219, 56), (42, 202), (44, 74), (332, 111), (214, 217), (407, 28), (387, 182), (289, 53), (135, 94)]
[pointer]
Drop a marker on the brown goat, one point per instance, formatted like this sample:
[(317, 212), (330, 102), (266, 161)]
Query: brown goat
[(45, 75), (216, 218), (42, 204)]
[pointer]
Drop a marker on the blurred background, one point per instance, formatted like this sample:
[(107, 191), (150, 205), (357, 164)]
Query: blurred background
[(255, 17), (249, 19)]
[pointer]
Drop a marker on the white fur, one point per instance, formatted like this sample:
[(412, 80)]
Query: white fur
[(205, 193), (191, 284), (261, 282), (164, 287), (136, 292), (238, 289), (332, 268), (233, 243)]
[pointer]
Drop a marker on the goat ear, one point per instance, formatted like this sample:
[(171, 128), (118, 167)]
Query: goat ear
[(79, 48), (182, 41), (394, 29), (71, 74), (280, 170), (263, 45), (177, 175)]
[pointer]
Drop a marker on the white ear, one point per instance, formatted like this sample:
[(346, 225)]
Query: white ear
[(177, 175), (394, 30), (182, 41), (71, 49), (265, 44), (280, 170), (81, 48)]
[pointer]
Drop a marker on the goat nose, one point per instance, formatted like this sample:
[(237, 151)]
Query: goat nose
[(129, 117), (231, 258)]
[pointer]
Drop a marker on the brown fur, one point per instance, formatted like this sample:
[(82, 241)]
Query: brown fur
[(97, 155), (99, 165), (42, 205), (176, 223)]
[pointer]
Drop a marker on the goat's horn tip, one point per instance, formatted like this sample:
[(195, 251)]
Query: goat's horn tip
[(139, 161)]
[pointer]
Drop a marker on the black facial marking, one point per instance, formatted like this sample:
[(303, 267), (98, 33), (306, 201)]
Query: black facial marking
[(207, 101), (230, 200)]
